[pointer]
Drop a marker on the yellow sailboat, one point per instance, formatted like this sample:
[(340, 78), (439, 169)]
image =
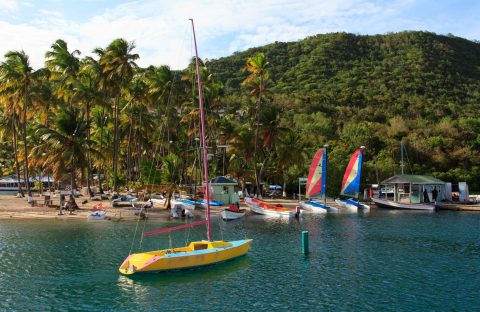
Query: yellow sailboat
[(196, 254)]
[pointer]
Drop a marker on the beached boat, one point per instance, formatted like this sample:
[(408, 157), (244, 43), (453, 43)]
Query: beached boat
[(351, 184), (263, 208), (317, 184), (203, 202), (98, 215), (180, 210), (196, 254), (232, 213), (158, 201), (187, 203), (413, 192), (123, 200)]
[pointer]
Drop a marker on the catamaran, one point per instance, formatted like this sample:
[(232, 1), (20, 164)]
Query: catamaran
[(351, 184), (316, 184), (196, 254)]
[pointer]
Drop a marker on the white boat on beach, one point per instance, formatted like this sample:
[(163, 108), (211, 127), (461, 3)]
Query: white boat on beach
[(228, 214), (261, 207), (180, 210), (98, 215)]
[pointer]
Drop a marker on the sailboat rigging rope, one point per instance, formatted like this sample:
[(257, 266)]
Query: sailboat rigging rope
[(408, 161), (143, 229), (135, 233)]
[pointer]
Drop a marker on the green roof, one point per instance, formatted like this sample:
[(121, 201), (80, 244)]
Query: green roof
[(414, 179), (222, 180)]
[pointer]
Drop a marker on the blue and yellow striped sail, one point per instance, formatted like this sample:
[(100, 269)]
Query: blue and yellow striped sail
[(351, 179)]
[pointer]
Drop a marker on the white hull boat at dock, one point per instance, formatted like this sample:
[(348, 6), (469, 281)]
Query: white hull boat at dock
[(394, 205)]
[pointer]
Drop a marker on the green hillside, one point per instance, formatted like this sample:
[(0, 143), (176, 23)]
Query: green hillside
[(266, 113), (377, 90)]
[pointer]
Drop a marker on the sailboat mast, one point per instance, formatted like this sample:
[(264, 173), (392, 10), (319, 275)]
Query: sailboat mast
[(202, 122), (402, 156)]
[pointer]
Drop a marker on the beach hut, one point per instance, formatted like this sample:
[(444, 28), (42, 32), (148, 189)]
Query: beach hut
[(224, 190)]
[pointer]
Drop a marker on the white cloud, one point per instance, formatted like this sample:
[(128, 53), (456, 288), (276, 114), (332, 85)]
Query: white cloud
[(8, 5), (161, 29)]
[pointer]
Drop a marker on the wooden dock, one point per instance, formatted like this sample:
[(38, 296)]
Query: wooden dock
[(460, 207)]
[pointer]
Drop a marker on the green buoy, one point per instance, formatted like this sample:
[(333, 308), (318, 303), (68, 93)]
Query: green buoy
[(305, 242)]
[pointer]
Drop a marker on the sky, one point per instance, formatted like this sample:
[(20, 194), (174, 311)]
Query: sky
[(162, 34)]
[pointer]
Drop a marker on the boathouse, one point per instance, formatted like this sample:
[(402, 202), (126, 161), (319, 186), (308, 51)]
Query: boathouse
[(411, 189)]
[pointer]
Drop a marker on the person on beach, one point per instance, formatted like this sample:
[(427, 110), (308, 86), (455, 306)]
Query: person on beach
[(434, 194), (425, 196)]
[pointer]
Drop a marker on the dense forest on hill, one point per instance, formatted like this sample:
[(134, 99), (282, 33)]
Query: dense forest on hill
[(351, 90), (104, 121)]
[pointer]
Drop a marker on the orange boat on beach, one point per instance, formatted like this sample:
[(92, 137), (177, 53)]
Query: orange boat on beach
[(263, 208)]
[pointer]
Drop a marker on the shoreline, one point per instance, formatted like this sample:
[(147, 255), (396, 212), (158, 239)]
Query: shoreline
[(12, 207)]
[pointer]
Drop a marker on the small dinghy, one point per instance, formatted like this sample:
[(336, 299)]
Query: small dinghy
[(180, 210), (126, 200), (98, 215), (232, 213), (203, 202), (98, 212)]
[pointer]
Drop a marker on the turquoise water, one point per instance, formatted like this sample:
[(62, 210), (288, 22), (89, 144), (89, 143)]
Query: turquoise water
[(387, 260)]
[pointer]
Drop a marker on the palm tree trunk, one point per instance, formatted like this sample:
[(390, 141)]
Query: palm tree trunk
[(115, 143), (25, 148), (89, 159), (255, 148), (72, 179), (15, 151), (101, 169), (129, 149)]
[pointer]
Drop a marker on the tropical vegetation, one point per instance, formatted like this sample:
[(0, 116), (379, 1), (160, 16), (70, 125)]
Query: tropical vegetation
[(104, 121)]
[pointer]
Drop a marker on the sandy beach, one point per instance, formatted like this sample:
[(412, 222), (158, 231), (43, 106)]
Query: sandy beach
[(13, 207)]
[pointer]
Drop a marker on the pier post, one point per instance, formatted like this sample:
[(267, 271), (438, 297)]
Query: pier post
[(305, 249)]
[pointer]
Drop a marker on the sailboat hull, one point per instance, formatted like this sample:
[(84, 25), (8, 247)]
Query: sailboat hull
[(352, 206), (394, 205), (315, 207), (197, 254)]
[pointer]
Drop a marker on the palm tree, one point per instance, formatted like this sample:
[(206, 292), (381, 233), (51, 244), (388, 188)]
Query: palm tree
[(102, 136), (171, 174), (8, 126), (118, 63), (63, 66), (66, 143), (17, 77), (289, 153), (257, 81)]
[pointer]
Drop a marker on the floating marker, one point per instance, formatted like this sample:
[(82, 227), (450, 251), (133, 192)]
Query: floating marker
[(305, 242)]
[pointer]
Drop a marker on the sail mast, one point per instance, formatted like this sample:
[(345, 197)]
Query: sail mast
[(202, 122)]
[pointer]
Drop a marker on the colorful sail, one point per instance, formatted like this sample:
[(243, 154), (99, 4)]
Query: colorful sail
[(317, 176), (351, 179)]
